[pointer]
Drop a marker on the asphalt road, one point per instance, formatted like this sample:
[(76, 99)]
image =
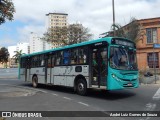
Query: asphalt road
[(16, 95)]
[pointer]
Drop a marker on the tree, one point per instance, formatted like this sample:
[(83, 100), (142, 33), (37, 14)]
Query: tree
[(118, 31), (6, 10), (56, 35), (77, 33), (4, 55), (132, 31), (17, 55), (74, 33)]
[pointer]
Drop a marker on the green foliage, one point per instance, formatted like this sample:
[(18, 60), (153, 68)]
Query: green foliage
[(17, 55), (132, 31), (118, 31), (4, 55), (6, 10), (55, 35), (74, 33)]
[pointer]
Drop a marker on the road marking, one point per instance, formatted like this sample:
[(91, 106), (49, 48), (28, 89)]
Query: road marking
[(54, 94), (83, 103), (42, 91), (150, 106), (157, 95), (37, 90), (67, 98)]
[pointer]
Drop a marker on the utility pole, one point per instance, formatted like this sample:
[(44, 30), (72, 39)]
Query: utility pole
[(113, 18)]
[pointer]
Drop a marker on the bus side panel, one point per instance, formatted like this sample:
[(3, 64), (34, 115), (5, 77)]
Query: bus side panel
[(65, 75), (49, 75), (28, 75), (59, 75), (40, 72), (22, 74)]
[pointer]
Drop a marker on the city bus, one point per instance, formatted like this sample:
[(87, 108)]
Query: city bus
[(106, 63)]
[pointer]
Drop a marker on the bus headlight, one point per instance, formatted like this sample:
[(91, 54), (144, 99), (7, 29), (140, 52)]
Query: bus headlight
[(115, 77)]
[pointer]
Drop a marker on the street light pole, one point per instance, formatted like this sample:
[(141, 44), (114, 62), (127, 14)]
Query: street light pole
[(113, 18)]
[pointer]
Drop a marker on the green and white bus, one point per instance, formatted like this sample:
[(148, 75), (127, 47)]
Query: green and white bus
[(106, 63)]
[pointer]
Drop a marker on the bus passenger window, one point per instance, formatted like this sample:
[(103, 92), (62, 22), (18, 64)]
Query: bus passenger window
[(49, 62), (41, 59), (66, 57), (74, 56), (42, 63), (53, 61), (59, 58), (82, 56), (57, 61)]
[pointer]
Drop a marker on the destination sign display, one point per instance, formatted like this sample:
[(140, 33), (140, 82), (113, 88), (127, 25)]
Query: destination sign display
[(123, 42)]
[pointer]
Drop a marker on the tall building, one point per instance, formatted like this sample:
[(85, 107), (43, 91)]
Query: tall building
[(24, 47), (36, 44), (56, 20)]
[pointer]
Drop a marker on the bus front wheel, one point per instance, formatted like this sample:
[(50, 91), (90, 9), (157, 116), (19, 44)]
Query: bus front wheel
[(35, 81), (81, 87)]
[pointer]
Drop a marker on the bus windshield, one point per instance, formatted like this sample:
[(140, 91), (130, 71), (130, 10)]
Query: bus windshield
[(123, 58)]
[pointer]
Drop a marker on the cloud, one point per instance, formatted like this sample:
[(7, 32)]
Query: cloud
[(25, 31), (96, 15), (8, 42)]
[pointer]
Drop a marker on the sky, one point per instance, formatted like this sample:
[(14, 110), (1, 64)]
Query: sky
[(96, 15)]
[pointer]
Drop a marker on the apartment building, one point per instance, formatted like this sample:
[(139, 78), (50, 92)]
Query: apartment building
[(54, 20), (36, 44)]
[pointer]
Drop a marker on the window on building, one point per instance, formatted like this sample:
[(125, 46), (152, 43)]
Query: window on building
[(151, 35), (152, 59)]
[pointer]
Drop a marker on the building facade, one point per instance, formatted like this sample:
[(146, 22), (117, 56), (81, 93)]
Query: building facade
[(20, 46), (36, 44), (24, 47), (147, 56), (54, 20)]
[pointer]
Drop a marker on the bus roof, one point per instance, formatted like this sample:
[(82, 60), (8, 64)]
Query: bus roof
[(108, 39)]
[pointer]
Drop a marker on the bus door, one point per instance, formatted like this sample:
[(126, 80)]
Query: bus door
[(99, 66), (48, 68), (27, 69)]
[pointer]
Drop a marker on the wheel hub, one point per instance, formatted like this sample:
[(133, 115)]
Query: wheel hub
[(80, 87)]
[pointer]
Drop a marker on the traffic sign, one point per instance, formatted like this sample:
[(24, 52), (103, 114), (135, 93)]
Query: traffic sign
[(156, 45)]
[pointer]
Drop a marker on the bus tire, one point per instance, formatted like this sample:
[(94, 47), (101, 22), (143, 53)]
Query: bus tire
[(35, 81), (81, 87)]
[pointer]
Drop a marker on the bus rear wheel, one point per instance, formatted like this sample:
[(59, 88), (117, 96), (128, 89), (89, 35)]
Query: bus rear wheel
[(35, 81), (81, 87)]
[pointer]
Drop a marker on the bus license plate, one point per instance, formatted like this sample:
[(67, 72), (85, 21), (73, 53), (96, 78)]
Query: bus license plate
[(129, 84)]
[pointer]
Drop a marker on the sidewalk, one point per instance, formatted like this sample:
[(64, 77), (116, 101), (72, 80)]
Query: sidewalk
[(150, 80)]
